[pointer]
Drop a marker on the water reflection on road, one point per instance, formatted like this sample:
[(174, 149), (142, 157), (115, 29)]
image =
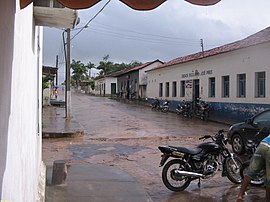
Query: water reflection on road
[(126, 135)]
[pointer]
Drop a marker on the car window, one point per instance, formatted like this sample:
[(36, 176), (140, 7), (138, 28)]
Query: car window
[(262, 119)]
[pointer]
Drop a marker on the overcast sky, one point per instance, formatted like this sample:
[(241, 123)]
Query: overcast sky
[(173, 29)]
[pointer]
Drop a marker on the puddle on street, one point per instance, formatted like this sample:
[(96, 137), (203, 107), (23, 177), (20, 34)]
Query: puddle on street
[(85, 151), (131, 134)]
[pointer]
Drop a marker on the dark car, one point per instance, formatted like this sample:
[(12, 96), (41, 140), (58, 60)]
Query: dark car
[(240, 133)]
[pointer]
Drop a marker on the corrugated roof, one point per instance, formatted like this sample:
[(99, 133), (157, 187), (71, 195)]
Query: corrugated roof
[(260, 37)]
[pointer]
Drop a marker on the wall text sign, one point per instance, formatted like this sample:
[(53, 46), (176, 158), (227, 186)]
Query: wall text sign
[(197, 73)]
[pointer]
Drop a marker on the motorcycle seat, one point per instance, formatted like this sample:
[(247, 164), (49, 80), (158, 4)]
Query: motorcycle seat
[(188, 150)]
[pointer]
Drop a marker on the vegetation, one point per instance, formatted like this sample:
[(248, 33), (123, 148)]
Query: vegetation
[(106, 67), (45, 81), (80, 71)]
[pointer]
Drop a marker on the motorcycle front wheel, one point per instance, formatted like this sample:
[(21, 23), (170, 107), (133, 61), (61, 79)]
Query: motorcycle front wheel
[(258, 181), (233, 167), (165, 109), (171, 179)]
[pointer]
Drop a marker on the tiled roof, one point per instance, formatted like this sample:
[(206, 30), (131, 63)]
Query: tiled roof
[(260, 37), (137, 67)]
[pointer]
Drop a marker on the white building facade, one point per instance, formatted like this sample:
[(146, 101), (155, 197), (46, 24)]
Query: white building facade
[(106, 86), (234, 79), (20, 103), (22, 172)]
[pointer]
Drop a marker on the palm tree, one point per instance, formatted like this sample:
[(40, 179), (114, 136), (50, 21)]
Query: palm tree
[(79, 71)]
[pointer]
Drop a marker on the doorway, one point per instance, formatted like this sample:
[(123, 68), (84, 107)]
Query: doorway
[(196, 89)]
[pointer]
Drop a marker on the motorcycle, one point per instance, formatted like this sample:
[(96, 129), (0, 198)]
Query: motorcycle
[(163, 107), (184, 109), (201, 109), (251, 148), (155, 104), (202, 162)]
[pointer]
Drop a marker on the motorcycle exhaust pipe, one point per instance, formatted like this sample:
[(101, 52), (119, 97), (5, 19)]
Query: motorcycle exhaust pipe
[(189, 174)]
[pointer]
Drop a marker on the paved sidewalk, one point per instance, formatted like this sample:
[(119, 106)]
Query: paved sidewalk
[(96, 183), (55, 125), (86, 182)]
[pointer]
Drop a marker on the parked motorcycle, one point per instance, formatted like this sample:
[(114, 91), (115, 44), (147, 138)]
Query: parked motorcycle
[(184, 109), (251, 148), (162, 106), (155, 104), (201, 109), (202, 162)]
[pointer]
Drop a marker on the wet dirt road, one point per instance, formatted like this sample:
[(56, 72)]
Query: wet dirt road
[(126, 135)]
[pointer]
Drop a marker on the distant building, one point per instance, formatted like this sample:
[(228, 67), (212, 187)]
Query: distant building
[(106, 85), (132, 83), (233, 78)]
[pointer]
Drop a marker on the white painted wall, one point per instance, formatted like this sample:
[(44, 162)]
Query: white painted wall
[(20, 103), (143, 73), (248, 60), (107, 81)]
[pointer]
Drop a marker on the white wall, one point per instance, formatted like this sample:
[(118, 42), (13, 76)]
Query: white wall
[(20, 87), (143, 74), (248, 60), (106, 81), (109, 81)]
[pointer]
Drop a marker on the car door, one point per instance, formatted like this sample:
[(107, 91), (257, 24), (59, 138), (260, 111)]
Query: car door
[(260, 121)]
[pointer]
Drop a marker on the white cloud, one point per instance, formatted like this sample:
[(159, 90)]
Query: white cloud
[(172, 30)]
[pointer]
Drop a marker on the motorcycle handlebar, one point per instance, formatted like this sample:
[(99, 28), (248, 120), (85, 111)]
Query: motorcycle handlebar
[(205, 137)]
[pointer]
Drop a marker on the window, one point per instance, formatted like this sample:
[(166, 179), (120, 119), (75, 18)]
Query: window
[(225, 86), (260, 84), (182, 89), (241, 85), (212, 87), (167, 89), (174, 89), (160, 89)]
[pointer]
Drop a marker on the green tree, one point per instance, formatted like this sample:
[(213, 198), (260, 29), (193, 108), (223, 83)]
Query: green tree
[(105, 66), (108, 67), (45, 81), (80, 71)]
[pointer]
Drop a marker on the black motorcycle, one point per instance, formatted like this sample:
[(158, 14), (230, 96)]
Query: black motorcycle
[(159, 105), (155, 104), (201, 109), (199, 163), (184, 109)]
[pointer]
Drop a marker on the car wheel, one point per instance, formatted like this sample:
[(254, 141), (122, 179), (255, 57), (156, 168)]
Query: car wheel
[(237, 144)]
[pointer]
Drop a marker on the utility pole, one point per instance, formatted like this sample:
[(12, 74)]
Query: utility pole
[(56, 70), (202, 46), (68, 93)]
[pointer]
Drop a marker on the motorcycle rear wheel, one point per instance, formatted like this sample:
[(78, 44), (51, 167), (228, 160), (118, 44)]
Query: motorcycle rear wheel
[(233, 170), (172, 180), (258, 181)]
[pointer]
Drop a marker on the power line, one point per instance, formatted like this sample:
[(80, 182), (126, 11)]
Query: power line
[(86, 25), (142, 33), (144, 39)]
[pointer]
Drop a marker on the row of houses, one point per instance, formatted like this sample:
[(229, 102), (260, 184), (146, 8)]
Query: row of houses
[(128, 83), (22, 172), (232, 78)]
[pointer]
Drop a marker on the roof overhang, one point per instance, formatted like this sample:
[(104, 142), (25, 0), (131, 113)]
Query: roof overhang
[(135, 4), (55, 17)]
